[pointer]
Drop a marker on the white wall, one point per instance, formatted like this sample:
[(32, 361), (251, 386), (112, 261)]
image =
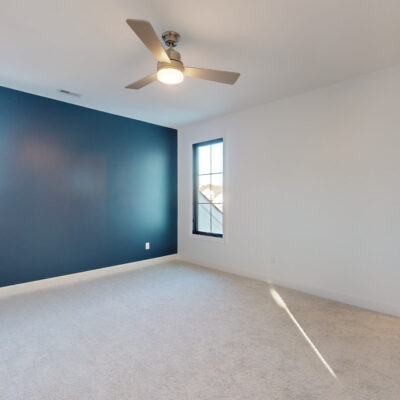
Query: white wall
[(312, 192)]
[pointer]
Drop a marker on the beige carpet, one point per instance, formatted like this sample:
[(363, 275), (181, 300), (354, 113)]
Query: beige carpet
[(180, 332)]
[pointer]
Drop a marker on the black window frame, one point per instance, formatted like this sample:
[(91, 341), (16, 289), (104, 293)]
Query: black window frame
[(195, 231)]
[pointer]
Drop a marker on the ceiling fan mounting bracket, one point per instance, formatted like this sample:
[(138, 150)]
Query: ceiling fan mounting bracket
[(171, 38)]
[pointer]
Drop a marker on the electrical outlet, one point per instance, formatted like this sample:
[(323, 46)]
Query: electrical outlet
[(147, 246)]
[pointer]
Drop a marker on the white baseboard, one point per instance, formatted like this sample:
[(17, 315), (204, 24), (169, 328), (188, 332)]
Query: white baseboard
[(258, 277), (372, 305), (6, 291), (81, 276)]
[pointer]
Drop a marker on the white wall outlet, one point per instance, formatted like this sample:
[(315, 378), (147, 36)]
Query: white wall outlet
[(147, 246)]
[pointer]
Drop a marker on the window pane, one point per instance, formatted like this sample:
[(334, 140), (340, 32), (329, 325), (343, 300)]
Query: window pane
[(217, 188), (219, 206), (204, 189), (217, 161), (203, 159), (217, 220), (203, 217)]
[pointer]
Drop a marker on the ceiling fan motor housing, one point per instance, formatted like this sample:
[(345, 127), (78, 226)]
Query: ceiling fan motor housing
[(173, 54), (175, 62)]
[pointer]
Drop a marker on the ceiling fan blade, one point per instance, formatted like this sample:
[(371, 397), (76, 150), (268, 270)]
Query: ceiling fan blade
[(212, 75), (146, 34), (143, 82)]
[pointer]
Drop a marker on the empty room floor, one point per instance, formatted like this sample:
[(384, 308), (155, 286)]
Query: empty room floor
[(175, 331)]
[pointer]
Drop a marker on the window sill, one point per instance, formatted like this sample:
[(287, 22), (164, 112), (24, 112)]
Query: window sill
[(219, 240)]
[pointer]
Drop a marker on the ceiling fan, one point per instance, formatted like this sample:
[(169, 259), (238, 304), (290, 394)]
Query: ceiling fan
[(170, 69)]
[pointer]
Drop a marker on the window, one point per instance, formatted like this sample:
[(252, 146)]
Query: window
[(208, 185)]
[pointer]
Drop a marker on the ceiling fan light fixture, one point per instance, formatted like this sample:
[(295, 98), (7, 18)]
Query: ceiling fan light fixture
[(170, 75), (170, 69)]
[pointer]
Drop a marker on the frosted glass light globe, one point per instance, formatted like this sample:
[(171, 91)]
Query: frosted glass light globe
[(170, 75)]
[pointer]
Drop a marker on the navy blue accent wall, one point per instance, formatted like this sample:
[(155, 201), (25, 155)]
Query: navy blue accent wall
[(81, 189)]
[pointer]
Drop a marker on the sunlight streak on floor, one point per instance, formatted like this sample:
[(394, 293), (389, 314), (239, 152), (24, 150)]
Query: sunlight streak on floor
[(281, 303)]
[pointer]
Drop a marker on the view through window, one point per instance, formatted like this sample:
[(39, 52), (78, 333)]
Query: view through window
[(208, 178)]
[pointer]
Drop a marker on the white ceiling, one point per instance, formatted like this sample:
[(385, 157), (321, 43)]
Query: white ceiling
[(280, 47)]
